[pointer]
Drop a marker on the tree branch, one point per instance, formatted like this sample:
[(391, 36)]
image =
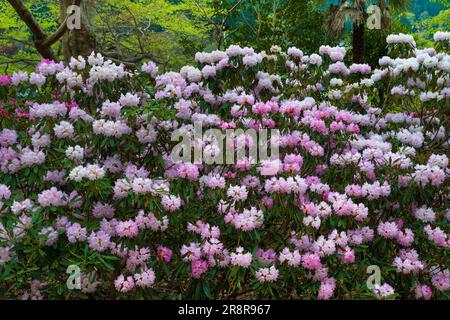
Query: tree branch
[(28, 18), (38, 34), (41, 41), (129, 60)]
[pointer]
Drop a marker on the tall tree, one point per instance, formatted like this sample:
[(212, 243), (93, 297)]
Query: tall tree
[(355, 11)]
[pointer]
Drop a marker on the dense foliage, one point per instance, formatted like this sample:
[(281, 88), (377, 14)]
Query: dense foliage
[(87, 177)]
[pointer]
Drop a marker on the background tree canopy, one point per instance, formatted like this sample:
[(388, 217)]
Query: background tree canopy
[(171, 31)]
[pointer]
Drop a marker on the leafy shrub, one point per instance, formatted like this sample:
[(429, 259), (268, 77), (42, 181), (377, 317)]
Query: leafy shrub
[(88, 179)]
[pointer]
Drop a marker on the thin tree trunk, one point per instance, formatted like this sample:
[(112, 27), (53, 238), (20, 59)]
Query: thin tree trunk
[(358, 42), (79, 42)]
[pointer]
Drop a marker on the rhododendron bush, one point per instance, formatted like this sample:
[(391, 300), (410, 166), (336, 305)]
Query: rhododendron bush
[(88, 181)]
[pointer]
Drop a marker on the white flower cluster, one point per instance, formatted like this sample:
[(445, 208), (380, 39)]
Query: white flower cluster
[(111, 128), (75, 153), (401, 38), (442, 36), (90, 172)]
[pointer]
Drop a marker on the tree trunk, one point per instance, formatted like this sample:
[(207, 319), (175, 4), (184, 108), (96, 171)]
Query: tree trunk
[(358, 42), (79, 42)]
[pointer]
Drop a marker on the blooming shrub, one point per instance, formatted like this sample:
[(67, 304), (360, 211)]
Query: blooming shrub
[(87, 178)]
